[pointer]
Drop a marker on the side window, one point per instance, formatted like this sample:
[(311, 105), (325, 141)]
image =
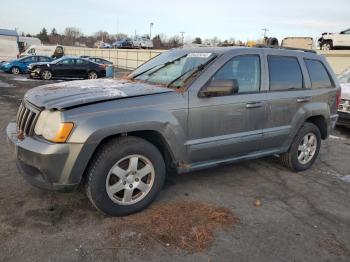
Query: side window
[(67, 62), (285, 73), (80, 62), (31, 59), (31, 51), (245, 69), (318, 74), (43, 59)]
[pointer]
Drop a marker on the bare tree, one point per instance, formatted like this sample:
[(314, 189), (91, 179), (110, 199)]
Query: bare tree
[(71, 34)]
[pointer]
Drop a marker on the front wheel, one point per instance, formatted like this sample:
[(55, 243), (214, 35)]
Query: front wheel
[(304, 149), (46, 75), (327, 45), (125, 176)]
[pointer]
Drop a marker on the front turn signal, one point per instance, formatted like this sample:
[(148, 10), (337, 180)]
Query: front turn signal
[(63, 132)]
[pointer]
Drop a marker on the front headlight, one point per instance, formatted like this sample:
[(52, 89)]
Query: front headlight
[(51, 127)]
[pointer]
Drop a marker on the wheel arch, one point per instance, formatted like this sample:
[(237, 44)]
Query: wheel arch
[(152, 136), (321, 123)]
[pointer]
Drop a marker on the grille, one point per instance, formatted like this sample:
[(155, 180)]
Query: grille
[(344, 105), (26, 119)]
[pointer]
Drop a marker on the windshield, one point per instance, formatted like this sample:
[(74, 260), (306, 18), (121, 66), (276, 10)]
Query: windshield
[(344, 78), (171, 68)]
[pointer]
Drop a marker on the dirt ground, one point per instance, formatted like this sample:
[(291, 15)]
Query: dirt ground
[(273, 214)]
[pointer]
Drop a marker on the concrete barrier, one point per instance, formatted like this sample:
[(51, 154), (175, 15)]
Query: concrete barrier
[(121, 58), (338, 59), (132, 58)]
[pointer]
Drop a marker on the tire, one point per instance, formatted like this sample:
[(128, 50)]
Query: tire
[(15, 70), (92, 75), (115, 156), (46, 75), (327, 45), (291, 159)]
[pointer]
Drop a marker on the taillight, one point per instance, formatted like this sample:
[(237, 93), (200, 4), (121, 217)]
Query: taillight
[(103, 66), (18, 55), (338, 98)]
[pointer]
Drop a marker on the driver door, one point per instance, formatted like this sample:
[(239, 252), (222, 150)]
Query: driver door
[(64, 68), (224, 127)]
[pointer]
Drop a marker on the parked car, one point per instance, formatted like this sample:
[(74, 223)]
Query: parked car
[(54, 51), (142, 42), (8, 45), (344, 106), (124, 43), (21, 65), (330, 41), (67, 67), (100, 60), (186, 109)]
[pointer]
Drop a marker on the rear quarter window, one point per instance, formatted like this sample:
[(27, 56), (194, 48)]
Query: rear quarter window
[(318, 74), (285, 73)]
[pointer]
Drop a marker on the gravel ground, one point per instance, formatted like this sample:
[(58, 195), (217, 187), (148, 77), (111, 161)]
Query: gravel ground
[(284, 216)]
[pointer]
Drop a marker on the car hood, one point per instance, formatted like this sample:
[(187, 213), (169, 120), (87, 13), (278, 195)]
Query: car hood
[(74, 93), (345, 91)]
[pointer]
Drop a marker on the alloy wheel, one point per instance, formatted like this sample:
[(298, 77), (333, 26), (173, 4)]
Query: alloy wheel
[(130, 179), (92, 75), (15, 70), (47, 75), (307, 148)]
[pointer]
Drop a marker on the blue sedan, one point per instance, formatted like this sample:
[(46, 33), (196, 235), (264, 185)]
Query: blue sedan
[(21, 65)]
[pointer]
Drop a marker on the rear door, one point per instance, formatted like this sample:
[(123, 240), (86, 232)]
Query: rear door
[(224, 127), (81, 67), (287, 98)]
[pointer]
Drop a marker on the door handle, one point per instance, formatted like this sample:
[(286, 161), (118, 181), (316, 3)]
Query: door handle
[(303, 99), (254, 104)]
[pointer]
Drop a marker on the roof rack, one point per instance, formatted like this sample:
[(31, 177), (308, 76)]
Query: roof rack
[(287, 48)]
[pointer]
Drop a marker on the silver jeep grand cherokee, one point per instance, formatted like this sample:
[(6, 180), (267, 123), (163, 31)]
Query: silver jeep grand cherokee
[(186, 109)]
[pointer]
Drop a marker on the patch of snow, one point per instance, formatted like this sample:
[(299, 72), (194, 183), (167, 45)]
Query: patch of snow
[(24, 79), (337, 137), (345, 178), (4, 84)]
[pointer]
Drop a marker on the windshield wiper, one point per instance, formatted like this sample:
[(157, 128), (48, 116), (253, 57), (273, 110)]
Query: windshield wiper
[(160, 67), (192, 71)]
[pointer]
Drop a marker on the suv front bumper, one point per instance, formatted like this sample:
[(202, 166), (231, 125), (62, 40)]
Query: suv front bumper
[(43, 164)]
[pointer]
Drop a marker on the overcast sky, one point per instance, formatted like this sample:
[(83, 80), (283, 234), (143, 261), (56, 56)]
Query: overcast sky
[(222, 18)]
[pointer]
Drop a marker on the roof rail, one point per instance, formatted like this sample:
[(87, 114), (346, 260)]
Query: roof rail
[(287, 48)]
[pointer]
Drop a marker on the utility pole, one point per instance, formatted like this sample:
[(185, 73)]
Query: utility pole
[(150, 30), (182, 38), (265, 30)]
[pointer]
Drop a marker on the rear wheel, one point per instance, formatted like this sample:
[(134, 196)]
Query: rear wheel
[(304, 149), (46, 75), (92, 75), (15, 70), (125, 176)]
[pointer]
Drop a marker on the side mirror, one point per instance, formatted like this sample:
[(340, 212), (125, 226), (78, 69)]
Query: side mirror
[(220, 88)]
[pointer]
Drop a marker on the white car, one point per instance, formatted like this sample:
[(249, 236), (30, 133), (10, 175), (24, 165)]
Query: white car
[(344, 106), (142, 42), (330, 41)]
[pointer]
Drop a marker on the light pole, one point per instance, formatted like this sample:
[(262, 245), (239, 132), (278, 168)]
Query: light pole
[(182, 38), (150, 30), (265, 30)]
